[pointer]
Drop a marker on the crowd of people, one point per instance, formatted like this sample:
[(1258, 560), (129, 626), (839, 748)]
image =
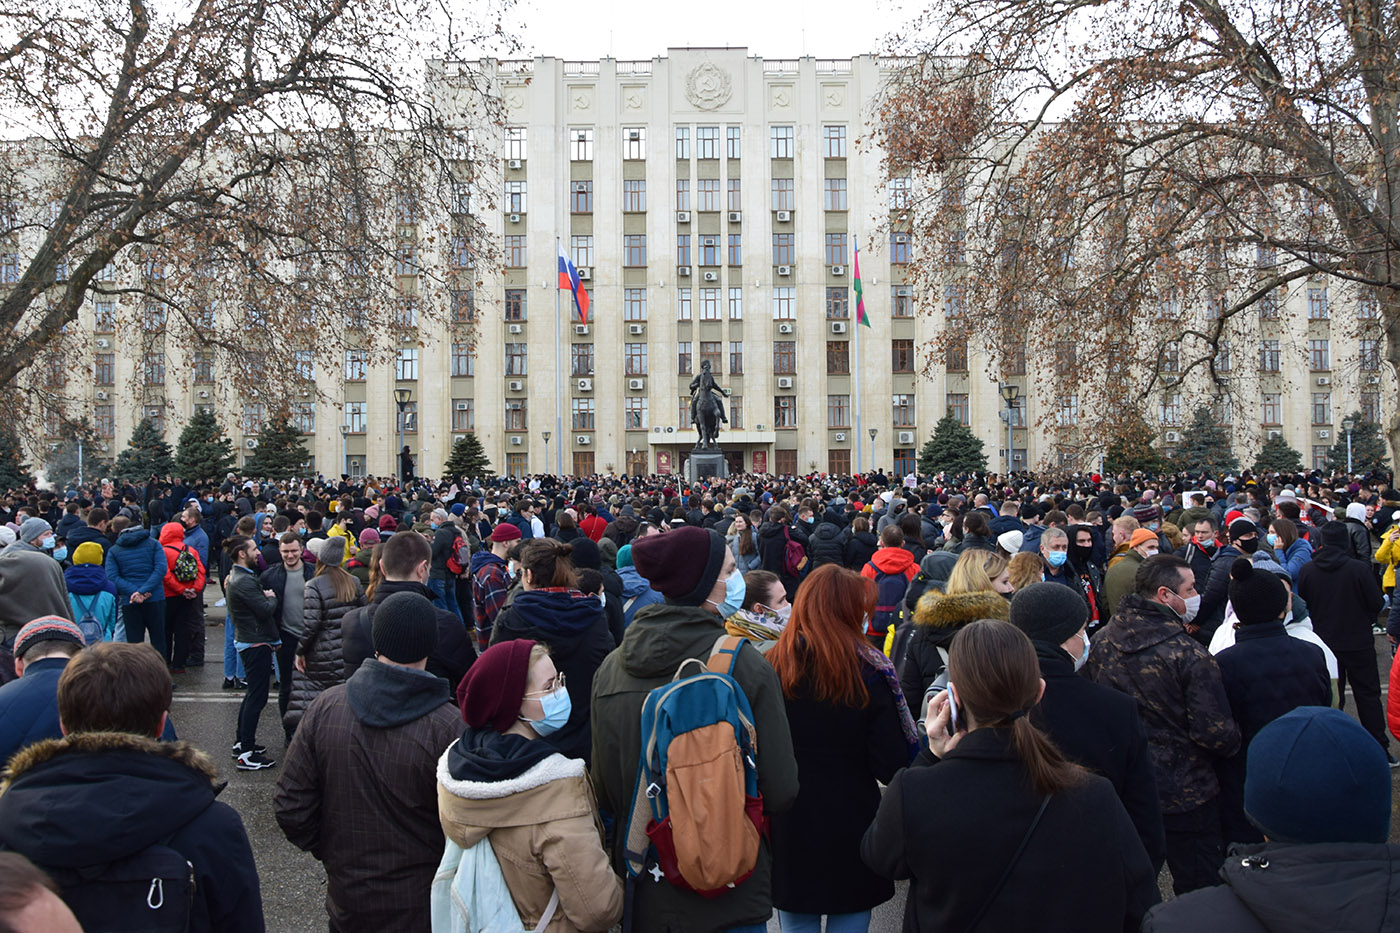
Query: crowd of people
[(570, 703)]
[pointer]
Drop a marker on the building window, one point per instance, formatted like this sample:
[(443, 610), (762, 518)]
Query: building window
[(712, 352), (838, 462), (899, 190), (104, 420), (515, 197), (784, 357), (785, 462), (463, 414), (707, 194), (1268, 356), (1317, 303), (304, 417), (834, 142), (515, 464), (1171, 408), (901, 301), (903, 461), (153, 369), (634, 195), (736, 412), (682, 249), (784, 303), (782, 249), (516, 415), (153, 316), (407, 311), (463, 305), (836, 249), (581, 250), (902, 353), (1319, 456), (634, 304), (635, 357), (1017, 360), (304, 365), (583, 412), (581, 197), (682, 194), (736, 304), (684, 363), (899, 248), (732, 147), (736, 249), (785, 411), (1268, 307), (904, 411), (1322, 408), (955, 248), (355, 417), (104, 316), (707, 142), (957, 406), (709, 251), (780, 142), (515, 142), (581, 359), (955, 357), (736, 357), (1171, 357), (1368, 308), (635, 412), (406, 366), (581, 146), (736, 194), (684, 311), (1371, 407), (462, 360), (1067, 411), (634, 143), (355, 364), (1270, 408), (1224, 360), (838, 303), (1319, 354), (104, 369), (709, 304), (838, 411), (954, 301), (253, 418), (682, 142), (459, 253), (1370, 355), (838, 358), (517, 359), (834, 194), (634, 249), (515, 304), (514, 252), (784, 195)]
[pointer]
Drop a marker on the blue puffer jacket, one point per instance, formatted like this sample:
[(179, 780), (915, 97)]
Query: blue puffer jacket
[(636, 593), (136, 564), (1293, 559)]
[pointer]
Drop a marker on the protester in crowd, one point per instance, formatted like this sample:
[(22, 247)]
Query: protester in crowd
[(1118, 581), (1028, 825), (491, 580), (184, 588), (977, 534), (319, 661), (977, 588), (287, 579), (253, 612), (504, 784), (861, 544), (358, 565), (637, 593), (773, 537), (1200, 549), (1145, 652), (696, 572), (446, 537), (136, 565), (1243, 541), (108, 790), (851, 731), (1023, 569), (764, 612), (587, 555), (372, 740), (29, 704), (1289, 550), (890, 568), (90, 594), (743, 542)]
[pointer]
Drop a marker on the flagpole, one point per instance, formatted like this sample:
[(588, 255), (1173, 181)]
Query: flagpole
[(855, 370), (558, 374)]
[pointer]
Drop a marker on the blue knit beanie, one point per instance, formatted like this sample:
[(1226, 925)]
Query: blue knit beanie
[(1315, 775)]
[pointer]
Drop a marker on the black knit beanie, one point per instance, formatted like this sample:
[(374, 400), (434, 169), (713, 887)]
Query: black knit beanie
[(1048, 612), (405, 628), (1256, 595)]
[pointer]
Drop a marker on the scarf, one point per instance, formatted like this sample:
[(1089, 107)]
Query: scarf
[(882, 665)]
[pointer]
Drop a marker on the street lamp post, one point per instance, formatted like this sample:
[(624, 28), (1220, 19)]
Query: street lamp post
[(345, 448), (401, 398), (1009, 391), (546, 435), (1347, 425), (80, 460), (873, 432)]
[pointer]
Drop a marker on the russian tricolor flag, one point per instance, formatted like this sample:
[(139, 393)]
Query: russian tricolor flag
[(568, 278)]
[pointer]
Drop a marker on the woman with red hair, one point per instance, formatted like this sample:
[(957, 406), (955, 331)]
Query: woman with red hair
[(851, 730)]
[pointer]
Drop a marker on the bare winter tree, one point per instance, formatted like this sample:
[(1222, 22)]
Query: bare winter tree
[(1126, 192), (239, 180)]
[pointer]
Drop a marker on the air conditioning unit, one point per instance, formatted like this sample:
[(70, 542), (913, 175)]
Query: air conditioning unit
[(517, 441), (581, 330), (516, 385), (1173, 437), (709, 241), (516, 328), (711, 276), (585, 273), (784, 328), (683, 271), (636, 383), (203, 393), (784, 217), (656, 430), (634, 134), (682, 217), (105, 447), (758, 427), (1275, 435), (585, 385), (670, 430), (305, 393), (581, 187), (103, 343), (785, 382), (905, 437), (251, 443), (839, 327), (735, 216), (102, 396), (462, 406), (840, 436), (838, 270), (785, 270), (582, 439), (1324, 380), (1373, 380), (513, 163), (636, 330), (515, 218)]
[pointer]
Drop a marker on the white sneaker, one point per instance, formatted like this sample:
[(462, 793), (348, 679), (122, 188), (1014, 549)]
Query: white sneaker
[(221, 604)]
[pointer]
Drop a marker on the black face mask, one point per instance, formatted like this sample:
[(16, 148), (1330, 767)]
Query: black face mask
[(1079, 553), (1248, 545)]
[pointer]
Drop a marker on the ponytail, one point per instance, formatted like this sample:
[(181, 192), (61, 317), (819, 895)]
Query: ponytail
[(1050, 772)]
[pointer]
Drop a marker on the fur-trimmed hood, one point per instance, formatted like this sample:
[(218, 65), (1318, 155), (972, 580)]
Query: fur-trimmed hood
[(96, 796), (554, 788), (939, 610)]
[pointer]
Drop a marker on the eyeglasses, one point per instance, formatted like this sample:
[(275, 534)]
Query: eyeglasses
[(550, 687)]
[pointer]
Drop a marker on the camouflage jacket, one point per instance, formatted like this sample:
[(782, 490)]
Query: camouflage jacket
[(1145, 652)]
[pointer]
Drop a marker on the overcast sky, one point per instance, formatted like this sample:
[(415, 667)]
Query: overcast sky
[(643, 29)]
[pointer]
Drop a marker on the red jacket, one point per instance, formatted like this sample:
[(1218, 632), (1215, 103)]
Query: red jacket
[(593, 526), (172, 538), (1392, 699), (891, 560)]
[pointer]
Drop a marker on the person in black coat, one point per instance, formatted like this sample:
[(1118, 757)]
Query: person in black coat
[(850, 729), (861, 544), (773, 537), (1243, 537), (826, 544), (1002, 833), (1094, 725), (586, 556), (1266, 673)]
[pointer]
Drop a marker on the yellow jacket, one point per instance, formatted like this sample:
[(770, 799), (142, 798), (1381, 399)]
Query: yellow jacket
[(1388, 554)]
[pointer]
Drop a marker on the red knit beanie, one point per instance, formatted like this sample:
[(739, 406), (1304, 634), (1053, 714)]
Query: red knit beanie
[(682, 564), (491, 693)]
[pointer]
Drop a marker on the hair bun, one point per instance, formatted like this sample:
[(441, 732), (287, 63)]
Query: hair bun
[(1241, 569)]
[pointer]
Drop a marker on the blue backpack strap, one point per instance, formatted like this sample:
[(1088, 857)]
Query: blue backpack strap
[(726, 644)]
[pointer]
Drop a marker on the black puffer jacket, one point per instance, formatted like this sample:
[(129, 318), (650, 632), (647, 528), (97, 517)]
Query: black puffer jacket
[(937, 618), (860, 547), (321, 645), (825, 545)]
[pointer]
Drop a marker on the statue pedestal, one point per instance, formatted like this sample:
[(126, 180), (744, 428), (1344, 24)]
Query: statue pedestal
[(706, 464)]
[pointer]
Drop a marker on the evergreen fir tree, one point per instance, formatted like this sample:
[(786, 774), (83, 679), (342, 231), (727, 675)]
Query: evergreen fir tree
[(1276, 456), (952, 448), (1368, 450), (14, 473), (1130, 448), (280, 453), (204, 454), (146, 454), (468, 458), (62, 461), (1205, 445)]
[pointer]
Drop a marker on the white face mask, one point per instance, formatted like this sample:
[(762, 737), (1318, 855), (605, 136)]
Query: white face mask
[(1083, 658)]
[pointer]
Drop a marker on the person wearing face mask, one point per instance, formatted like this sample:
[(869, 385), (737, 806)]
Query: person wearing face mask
[(503, 783), (696, 573), (1054, 552), (764, 612), (550, 608), (1243, 540), (1199, 551), (1094, 725), (1087, 572), (1118, 582), (375, 738), (1145, 652)]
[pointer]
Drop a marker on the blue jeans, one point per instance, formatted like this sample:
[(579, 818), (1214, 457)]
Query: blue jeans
[(233, 664), (445, 595), (835, 923)]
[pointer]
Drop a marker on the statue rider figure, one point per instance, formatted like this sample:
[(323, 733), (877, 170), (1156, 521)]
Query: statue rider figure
[(702, 385)]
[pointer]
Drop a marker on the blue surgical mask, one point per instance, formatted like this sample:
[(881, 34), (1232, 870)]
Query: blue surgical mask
[(48, 543), (1272, 539), (557, 706), (60, 553), (1057, 558), (734, 590)]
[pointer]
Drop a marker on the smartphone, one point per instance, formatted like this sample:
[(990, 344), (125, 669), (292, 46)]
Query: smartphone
[(952, 713)]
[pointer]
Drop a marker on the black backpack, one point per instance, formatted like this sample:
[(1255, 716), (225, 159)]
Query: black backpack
[(150, 891)]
